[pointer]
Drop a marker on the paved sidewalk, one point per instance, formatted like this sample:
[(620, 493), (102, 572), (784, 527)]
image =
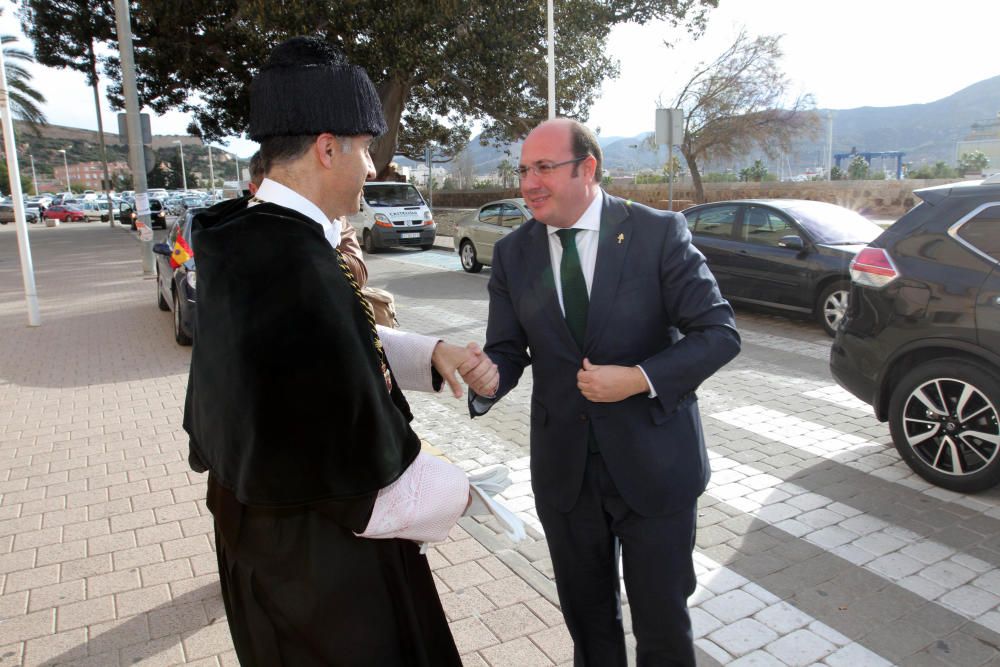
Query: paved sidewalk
[(106, 546)]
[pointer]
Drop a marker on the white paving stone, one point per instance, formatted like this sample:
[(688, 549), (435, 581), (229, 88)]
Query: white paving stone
[(783, 618), (732, 606), (800, 648), (743, 636)]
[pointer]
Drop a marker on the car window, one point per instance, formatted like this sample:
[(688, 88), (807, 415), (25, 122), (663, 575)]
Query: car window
[(832, 224), (715, 221), (983, 231), (763, 226), (402, 194), (490, 215), (510, 216)]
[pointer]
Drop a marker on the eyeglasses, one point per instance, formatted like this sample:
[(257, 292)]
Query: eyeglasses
[(546, 168)]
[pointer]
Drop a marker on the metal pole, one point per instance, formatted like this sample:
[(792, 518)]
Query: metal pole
[(20, 222), (34, 180), (237, 158), (184, 178), (69, 188), (670, 176), (123, 24), (829, 147), (211, 172), (552, 60)]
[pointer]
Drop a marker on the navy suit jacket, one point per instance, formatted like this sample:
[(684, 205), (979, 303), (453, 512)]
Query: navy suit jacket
[(653, 303)]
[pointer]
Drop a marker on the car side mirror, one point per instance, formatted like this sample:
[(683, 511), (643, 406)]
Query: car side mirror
[(791, 242), (162, 249)]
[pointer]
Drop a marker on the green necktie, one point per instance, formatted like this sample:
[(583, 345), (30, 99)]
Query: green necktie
[(574, 288)]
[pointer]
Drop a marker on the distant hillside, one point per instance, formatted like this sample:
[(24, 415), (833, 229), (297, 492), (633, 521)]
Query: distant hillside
[(925, 132)]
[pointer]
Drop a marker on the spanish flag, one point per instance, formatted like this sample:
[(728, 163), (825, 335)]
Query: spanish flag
[(182, 252)]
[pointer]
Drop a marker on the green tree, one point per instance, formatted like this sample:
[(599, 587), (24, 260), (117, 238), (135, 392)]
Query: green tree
[(755, 172), (438, 64), (836, 173), (939, 169), (857, 169), (738, 102), (66, 34), (507, 174), (973, 163), (26, 186), (24, 100)]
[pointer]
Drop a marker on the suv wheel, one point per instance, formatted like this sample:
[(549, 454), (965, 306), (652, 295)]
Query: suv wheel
[(179, 334), (832, 304), (468, 255), (943, 416), (369, 241)]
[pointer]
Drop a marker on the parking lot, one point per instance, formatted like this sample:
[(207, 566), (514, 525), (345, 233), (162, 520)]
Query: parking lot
[(816, 544)]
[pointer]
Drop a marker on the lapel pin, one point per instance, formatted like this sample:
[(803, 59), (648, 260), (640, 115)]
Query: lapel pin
[(621, 237)]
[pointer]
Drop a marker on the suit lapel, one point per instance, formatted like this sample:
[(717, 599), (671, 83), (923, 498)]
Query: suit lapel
[(612, 248), (543, 283)]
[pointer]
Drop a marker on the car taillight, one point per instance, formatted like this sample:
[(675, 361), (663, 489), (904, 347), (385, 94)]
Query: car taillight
[(873, 267)]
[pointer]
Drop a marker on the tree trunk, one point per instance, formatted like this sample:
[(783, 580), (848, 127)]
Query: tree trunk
[(699, 191), (100, 133), (393, 94)]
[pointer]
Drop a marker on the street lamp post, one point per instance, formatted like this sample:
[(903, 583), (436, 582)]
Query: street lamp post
[(66, 165), (237, 158), (34, 179), (211, 172), (184, 178)]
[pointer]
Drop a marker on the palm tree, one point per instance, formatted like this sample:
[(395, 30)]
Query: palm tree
[(24, 100)]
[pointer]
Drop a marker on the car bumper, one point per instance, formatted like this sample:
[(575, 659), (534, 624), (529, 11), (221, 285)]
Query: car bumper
[(848, 358), (187, 297), (406, 236)]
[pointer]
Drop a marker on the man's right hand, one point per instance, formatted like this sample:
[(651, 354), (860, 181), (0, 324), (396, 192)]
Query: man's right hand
[(479, 372)]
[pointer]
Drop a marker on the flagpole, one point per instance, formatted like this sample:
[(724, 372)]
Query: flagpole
[(23, 246)]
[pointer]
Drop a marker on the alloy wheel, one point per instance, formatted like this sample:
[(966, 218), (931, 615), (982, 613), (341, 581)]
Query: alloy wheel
[(952, 426)]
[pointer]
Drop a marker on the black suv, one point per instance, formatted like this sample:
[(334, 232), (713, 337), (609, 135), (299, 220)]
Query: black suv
[(920, 341)]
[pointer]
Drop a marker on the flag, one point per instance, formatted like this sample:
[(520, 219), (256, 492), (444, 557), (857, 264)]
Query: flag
[(182, 252)]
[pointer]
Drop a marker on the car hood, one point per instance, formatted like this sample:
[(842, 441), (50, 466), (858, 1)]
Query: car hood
[(851, 249)]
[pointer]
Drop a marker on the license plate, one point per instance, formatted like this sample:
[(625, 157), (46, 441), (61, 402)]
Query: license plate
[(409, 236)]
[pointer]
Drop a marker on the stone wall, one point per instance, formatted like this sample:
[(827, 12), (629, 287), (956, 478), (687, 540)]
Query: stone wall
[(874, 198)]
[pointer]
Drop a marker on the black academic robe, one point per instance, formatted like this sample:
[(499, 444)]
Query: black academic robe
[(288, 411)]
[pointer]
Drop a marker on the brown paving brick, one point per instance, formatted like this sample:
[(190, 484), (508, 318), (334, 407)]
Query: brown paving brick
[(110, 508), (108, 543), (110, 636), (472, 635), (141, 600), (38, 538), (188, 546), (132, 521), (86, 498), (495, 567), (158, 533), (156, 653), (112, 582), (138, 556), (461, 551), (20, 525), (13, 604), (44, 597), (79, 614), (545, 610), (128, 489), (177, 512), (511, 622), (65, 646), (196, 588), (464, 603), (169, 482), (556, 643), (85, 567), (80, 529), (153, 500), (198, 525), (210, 640), (176, 619), (463, 575), (174, 570), (42, 506), (192, 492), (20, 628), (18, 560), (508, 591), (107, 481), (27, 579), (521, 652), (206, 563)]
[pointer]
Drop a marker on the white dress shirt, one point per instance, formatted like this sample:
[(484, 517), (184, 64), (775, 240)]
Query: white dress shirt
[(276, 193), (586, 239)]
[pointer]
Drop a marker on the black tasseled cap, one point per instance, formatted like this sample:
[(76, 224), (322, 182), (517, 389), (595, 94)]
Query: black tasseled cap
[(308, 87)]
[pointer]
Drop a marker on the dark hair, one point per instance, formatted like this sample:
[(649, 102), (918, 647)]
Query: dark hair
[(256, 169), (279, 149), (583, 142)]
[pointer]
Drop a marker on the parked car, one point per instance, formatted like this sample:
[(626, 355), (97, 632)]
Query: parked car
[(175, 286), (7, 214), (476, 234), (789, 254), (393, 214), (157, 214), (920, 342), (64, 213), (94, 210)]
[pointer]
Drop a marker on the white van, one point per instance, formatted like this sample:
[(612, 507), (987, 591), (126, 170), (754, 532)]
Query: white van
[(393, 214)]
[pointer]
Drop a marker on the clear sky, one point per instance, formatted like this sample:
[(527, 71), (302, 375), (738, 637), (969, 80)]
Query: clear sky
[(847, 53)]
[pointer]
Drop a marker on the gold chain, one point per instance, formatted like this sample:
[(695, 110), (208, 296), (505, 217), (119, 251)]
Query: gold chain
[(370, 315)]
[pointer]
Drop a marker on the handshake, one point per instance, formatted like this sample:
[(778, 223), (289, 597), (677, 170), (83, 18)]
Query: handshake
[(476, 369)]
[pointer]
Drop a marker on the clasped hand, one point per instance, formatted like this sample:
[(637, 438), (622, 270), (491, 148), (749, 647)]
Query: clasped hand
[(609, 384), (477, 370)]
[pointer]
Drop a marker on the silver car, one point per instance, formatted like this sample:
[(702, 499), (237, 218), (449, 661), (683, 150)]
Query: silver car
[(477, 233)]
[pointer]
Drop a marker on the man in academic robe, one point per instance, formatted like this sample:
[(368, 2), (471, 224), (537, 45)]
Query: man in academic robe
[(294, 402)]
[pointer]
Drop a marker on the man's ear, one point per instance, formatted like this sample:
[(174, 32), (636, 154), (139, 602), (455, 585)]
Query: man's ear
[(325, 147)]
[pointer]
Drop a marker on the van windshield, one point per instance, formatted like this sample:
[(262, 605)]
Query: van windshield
[(403, 194)]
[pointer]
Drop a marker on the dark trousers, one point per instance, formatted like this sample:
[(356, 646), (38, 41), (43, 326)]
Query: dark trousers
[(659, 575)]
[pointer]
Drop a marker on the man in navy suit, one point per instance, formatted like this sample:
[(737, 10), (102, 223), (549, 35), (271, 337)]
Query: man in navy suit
[(621, 321)]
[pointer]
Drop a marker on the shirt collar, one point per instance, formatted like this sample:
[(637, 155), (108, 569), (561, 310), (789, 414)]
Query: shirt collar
[(276, 193), (591, 218)]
